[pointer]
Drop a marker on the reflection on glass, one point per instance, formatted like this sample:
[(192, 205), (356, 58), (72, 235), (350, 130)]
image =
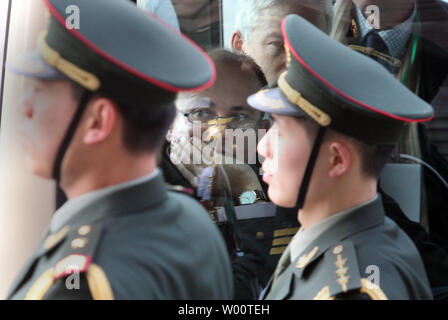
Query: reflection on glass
[(3, 27), (163, 9), (200, 20)]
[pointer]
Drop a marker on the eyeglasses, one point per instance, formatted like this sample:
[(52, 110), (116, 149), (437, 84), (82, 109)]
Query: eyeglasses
[(209, 118)]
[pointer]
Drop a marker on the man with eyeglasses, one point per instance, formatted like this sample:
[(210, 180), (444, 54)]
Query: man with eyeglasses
[(212, 152), (214, 120)]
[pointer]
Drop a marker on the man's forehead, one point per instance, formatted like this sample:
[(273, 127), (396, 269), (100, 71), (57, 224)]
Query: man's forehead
[(269, 20), (273, 34), (190, 101)]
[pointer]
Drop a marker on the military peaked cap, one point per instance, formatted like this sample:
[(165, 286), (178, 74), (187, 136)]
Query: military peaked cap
[(339, 88), (118, 49)]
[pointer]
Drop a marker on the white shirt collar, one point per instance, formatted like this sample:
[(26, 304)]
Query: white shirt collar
[(73, 206), (395, 38)]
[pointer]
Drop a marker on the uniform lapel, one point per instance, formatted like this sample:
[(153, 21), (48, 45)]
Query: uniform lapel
[(282, 286), (21, 276), (29, 265), (265, 291), (282, 265)]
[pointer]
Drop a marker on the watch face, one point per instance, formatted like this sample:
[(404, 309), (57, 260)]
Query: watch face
[(248, 197)]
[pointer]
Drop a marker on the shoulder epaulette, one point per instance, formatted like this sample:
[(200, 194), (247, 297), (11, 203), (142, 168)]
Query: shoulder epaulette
[(77, 256), (78, 250), (341, 263)]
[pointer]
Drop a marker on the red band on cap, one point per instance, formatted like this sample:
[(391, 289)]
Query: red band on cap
[(306, 66), (131, 70)]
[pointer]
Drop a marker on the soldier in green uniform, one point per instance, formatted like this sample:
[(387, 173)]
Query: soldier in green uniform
[(331, 137), (101, 99)]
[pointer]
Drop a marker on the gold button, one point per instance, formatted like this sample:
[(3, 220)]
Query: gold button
[(79, 243), (84, 230), (259, 235), (55, 238), (338, 249)]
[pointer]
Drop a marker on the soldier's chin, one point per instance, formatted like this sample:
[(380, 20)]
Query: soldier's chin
[(38, 169), (280, 198)]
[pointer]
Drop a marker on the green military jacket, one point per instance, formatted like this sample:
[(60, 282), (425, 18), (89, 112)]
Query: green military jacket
[(141, 242), (365, 255)]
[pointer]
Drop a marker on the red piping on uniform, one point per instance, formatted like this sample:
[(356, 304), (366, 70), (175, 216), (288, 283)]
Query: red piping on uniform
[(131, 70), (68, 271), (303, 63)]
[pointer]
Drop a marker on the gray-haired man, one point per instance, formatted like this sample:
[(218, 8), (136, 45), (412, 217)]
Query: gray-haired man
[(258, 29)]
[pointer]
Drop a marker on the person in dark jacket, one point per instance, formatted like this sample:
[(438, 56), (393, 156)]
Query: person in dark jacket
[(257, 237)]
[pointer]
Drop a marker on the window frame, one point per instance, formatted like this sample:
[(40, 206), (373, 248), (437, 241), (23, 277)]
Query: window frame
[(5, 31)]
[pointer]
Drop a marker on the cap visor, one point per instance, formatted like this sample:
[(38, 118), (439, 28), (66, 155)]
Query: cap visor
[(273, 101), (34, 66)]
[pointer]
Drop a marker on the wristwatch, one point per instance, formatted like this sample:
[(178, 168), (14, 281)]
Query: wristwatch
[(251, 196)]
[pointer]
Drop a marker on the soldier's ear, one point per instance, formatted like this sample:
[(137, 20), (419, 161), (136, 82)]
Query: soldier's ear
[(340, 159), (237, 41), (101, 121)]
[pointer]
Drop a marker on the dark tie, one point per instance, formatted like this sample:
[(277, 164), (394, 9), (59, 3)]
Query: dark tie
[(374, 41)]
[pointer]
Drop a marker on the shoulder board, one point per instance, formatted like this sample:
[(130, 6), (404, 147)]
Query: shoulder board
[(342, 265), (78, 250), (77, 254), (71, 264)]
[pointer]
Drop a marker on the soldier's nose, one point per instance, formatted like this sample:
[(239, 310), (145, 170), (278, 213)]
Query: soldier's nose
[(27, 105), (263, 147)]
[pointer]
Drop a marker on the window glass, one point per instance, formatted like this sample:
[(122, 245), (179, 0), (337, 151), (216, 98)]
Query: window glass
[(4, 20), (26, 202), (200, 20), (413, 36)]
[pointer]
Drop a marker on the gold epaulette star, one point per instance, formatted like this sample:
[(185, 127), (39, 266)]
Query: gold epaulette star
[(341, 270)]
